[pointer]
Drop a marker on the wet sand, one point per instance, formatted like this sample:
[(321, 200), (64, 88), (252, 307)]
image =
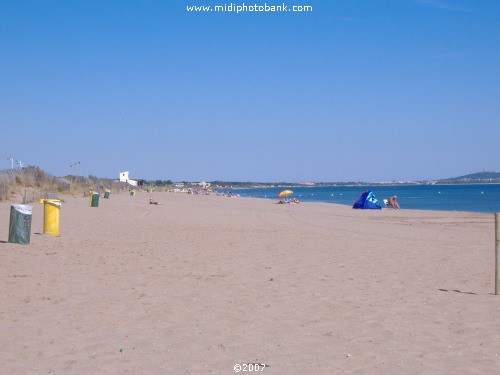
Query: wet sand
[(201, 283)]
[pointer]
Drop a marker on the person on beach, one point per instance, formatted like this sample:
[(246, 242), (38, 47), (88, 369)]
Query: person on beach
[(393, 202)]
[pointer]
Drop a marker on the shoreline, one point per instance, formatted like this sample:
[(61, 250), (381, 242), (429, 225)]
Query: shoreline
[(347, 198), (382, 209)]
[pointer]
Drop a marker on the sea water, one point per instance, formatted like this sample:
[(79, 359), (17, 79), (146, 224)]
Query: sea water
[(469, 198)]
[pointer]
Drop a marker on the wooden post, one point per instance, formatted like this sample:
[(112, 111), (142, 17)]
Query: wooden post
[(497, 253)]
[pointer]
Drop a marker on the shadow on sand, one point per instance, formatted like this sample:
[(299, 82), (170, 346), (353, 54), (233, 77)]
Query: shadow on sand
[(457, 291)]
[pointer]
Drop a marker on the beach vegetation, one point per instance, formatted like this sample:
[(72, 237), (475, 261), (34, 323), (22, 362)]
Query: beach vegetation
[(32, 183), (161, 183)]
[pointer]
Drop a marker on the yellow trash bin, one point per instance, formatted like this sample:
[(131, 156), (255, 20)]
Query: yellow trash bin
[(51, 209)]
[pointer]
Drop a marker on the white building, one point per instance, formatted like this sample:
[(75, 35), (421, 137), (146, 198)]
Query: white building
[(204, 184), (124, 178)]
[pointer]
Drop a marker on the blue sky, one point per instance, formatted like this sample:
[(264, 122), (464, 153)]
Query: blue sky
[(373, 90)]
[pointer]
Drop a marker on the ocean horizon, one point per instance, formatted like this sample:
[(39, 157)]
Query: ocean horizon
[(463, 197)]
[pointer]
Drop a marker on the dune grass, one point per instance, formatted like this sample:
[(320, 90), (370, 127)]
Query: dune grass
[(35, 183)]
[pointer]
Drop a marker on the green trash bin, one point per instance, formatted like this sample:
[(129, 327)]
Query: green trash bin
[(20, 223), (106, 195), (95, 200)]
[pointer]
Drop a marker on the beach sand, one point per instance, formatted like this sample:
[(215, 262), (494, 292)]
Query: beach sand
[(201, 283)]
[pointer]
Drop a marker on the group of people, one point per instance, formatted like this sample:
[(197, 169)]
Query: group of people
[(290, 201)]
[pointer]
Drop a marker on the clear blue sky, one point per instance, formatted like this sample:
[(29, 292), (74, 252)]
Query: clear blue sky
[(355, 90)]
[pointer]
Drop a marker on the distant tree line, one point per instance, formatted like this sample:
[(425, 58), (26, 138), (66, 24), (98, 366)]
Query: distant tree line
[(160, 183)]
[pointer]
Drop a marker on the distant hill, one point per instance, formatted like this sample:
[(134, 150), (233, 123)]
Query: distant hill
[(479, 177)]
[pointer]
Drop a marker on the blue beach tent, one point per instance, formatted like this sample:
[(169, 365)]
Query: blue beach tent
[(367, 200)]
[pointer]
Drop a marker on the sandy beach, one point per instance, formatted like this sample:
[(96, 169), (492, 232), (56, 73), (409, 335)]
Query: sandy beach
[(201, 283)]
